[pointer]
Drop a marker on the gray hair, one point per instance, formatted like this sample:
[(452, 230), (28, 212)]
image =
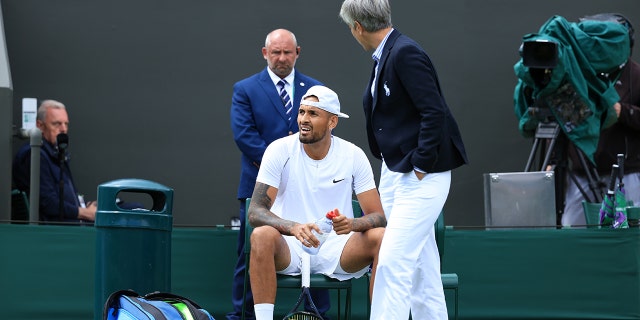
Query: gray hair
[(373, 15), (46, 105)]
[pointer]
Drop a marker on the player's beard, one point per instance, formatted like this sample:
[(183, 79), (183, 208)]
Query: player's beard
[(311, 138)]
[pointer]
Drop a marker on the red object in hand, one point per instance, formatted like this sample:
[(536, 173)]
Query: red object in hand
[(332, 214)]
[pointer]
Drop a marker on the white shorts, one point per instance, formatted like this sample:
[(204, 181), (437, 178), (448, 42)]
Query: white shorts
[(326, 262)]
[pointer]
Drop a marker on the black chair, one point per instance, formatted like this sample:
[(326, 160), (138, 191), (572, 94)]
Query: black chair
[(318, 281), (19, 207)]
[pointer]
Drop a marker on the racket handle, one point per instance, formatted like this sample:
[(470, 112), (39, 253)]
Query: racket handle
[(620, 162), (306, 270), (615, 169)]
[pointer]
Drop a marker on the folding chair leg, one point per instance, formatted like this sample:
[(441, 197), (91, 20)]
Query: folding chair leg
[(455, 307), (339, 302)]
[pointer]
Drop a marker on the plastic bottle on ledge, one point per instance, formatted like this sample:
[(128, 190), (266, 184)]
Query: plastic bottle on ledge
[(326, 226)]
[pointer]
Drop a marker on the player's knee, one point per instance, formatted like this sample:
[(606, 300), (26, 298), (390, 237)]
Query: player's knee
[(264, 236), (374, 239)]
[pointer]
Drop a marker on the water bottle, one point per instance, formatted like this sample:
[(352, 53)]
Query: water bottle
[(326, 226)]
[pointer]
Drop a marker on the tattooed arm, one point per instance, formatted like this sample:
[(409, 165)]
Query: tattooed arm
[(259, 210), (373, 215)]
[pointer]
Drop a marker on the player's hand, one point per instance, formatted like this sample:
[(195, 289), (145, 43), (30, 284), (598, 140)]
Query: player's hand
[(302, 232), (341, 224)]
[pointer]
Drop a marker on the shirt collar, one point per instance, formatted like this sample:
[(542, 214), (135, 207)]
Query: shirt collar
[(377, 54), (289, 79)]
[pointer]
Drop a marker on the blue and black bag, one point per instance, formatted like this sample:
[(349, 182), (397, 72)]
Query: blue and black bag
[(129, 305)]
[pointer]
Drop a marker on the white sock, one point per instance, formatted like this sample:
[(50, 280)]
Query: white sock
[(263, 311)]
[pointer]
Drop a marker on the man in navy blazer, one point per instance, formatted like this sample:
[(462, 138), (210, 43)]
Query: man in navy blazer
[(52, 119), (261, 114), (411, 129)]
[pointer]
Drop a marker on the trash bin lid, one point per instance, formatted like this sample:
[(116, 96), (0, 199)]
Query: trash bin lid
[(161, 195)]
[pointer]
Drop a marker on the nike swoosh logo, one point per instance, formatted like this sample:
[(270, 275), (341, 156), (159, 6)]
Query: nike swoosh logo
[(336, 181)]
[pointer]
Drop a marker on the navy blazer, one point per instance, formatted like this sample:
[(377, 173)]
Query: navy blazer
[(258, 118), (408, 121), (50, 170)]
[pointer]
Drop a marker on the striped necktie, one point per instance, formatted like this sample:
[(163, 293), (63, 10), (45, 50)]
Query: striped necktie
[(286, 100), (375, 76)]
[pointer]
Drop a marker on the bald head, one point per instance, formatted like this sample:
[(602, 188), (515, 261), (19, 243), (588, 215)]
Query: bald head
[(280, 34), (281, 51)]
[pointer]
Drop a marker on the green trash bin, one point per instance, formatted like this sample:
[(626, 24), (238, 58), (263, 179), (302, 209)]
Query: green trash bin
[(133, 246)]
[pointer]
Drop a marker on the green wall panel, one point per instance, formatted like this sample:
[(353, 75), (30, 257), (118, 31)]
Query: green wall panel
[(47, 272)]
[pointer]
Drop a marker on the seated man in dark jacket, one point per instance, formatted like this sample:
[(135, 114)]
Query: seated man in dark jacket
[(52, 120)]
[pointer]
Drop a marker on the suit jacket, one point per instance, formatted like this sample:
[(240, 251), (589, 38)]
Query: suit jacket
[(258, 118), (50, 169), (408, 121)]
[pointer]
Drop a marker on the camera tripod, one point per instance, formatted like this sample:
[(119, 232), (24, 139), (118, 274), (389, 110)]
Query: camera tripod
[(550, 139)]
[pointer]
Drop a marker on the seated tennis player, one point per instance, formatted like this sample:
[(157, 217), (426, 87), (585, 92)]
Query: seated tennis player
[(301, 178)]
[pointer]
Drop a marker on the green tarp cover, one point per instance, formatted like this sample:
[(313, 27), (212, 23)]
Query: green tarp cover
[(578, 96)]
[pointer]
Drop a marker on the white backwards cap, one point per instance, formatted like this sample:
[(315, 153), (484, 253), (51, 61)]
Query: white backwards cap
[(327, 100)]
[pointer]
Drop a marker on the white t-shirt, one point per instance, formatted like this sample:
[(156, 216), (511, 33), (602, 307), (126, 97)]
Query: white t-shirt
[(307, 188)]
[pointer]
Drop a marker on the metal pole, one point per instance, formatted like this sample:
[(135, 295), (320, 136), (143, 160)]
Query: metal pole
[(35, 137)]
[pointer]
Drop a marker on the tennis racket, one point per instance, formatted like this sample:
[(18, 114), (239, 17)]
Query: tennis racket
[(304, 295)]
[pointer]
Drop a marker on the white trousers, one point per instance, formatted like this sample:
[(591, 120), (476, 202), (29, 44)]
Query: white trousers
[(408, 274), (573, 212)]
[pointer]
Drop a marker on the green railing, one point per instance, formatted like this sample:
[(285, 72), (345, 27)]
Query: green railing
[(47, 272)]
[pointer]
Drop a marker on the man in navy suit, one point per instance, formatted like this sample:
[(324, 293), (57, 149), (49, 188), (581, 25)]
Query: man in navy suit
[(411, 129), (260, 114), (52, 120)]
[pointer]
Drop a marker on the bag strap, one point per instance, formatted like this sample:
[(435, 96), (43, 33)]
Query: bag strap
[(114, 300), (191, 305)]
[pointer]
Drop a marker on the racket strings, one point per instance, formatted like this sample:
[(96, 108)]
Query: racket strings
[(302, 315)]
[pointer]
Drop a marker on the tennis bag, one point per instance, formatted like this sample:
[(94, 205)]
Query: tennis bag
[(129, 305)]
